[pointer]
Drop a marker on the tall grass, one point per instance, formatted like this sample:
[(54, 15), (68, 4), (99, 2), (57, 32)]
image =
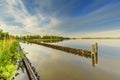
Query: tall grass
[(8, 58)]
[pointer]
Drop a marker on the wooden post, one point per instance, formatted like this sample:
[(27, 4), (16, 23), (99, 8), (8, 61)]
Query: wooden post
[(96, 53), (96, 45), (93, 49), (93, 52)]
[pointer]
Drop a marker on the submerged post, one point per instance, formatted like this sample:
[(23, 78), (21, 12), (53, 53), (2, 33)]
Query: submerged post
[(93, 52)]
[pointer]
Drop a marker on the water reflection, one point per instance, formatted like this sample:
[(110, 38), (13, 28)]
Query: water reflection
[(21, 74), (21, 66), (58, 65), (94, 59), (83, 53), (52, 41)]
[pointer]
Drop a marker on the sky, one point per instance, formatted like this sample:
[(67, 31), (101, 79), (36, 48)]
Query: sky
[(74, 18)]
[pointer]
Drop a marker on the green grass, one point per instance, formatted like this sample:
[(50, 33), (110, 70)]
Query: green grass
[(8, 58)]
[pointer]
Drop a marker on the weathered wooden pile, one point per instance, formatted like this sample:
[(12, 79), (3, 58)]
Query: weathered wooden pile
[(94, 53)]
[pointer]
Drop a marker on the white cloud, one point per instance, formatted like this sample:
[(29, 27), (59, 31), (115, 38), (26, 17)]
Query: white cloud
[(15, 30), (31, 24), (15, 14)]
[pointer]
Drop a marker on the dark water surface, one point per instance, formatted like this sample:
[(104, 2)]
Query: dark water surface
[(53, 64)]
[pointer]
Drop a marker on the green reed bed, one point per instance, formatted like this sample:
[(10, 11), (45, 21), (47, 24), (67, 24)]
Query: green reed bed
[(8, 58)]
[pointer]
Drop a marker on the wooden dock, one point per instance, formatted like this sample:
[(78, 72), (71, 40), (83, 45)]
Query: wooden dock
[(80, 52)]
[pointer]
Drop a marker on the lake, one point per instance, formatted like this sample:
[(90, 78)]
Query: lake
[(52, 64)]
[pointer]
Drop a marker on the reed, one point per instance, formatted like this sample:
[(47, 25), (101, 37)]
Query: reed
[(8, 58)]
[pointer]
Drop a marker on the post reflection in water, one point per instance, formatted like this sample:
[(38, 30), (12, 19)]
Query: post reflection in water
[(93, 60), (96, 57)]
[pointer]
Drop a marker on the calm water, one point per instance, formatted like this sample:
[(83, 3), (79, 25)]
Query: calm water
[(53, 64)]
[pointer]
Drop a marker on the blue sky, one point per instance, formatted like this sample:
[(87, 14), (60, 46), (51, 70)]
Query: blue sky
[(61, 17)]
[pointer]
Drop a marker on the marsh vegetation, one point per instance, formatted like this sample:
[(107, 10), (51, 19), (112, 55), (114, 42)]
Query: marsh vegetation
[(9, 56)]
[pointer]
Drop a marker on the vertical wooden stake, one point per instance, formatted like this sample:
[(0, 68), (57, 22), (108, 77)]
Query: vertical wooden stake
[(93, 52), (93, 49), (96, 53), (96, 45)]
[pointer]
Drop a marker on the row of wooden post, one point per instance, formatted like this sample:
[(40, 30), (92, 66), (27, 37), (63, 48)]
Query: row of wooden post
[(80, 52), (94, 53)]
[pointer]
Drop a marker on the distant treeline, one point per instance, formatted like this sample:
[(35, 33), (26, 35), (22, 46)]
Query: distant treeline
[(27, 37), (100, 38), (4, 35)]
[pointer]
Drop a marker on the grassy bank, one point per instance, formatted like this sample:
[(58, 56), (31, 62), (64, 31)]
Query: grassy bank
[(8, 58)]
